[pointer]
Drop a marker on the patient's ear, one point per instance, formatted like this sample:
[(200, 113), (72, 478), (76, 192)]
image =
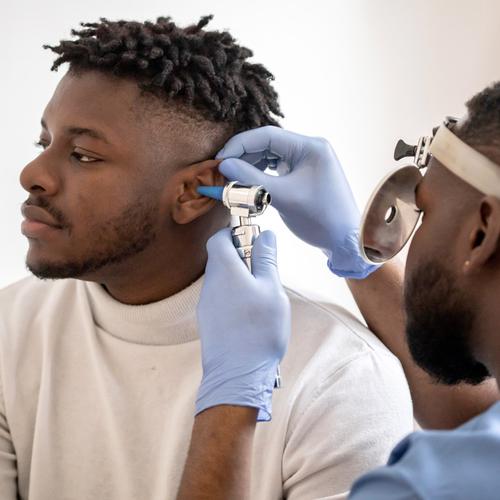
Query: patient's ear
[(188, 205)]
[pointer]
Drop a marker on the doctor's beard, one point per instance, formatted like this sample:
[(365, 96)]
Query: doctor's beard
[(439, 326)]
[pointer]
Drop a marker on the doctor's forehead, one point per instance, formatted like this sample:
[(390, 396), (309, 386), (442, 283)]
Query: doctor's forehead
[(433, 185), (440, 184), (434, 177)]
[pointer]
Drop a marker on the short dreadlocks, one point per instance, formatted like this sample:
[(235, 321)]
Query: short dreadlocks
[(206, 70)]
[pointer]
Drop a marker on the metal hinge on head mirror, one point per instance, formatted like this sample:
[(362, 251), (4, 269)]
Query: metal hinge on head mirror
[(420, 152)]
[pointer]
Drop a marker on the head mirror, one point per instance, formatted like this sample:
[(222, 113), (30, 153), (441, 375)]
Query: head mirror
[(390, 216)]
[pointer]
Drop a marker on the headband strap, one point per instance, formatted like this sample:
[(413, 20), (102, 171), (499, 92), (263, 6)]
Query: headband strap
[(465, 162)]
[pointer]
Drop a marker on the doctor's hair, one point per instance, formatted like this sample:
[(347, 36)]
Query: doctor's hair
[(200, 69), (482, 124)]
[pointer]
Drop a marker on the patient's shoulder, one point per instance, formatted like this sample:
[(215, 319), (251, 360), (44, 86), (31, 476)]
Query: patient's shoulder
[(337, 363), (28, 301), (325, 322), (31, 291)]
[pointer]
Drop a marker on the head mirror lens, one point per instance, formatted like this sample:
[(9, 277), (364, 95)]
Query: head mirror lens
[(391, 215)]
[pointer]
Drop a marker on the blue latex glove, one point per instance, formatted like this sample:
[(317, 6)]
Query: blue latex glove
[(311, 194), (244, 325)]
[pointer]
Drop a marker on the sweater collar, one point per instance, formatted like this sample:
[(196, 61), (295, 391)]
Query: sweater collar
[(166, 322)]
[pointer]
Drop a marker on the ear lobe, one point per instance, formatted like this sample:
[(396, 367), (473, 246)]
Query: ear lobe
[(485, 238), (188, 204)]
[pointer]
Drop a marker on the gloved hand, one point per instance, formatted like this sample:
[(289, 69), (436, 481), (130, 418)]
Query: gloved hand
[(311, 194), (243, 323)]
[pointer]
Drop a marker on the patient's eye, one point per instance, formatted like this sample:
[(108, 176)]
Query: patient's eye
[(83, 158)]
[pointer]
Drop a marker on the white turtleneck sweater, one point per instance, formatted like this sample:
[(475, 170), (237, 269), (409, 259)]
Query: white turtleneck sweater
[(97, 398)]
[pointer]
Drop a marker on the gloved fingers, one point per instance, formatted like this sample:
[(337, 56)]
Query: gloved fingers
[(222, 253), (235, 169), (252, 141), (260, 160), (266, 160), (280, 188), (269, 141), (264, 257)]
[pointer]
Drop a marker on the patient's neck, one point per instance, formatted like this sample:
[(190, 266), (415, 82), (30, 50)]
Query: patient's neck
[(155, 274)]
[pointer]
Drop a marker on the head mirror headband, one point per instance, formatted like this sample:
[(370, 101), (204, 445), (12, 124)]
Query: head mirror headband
[(391, 214)]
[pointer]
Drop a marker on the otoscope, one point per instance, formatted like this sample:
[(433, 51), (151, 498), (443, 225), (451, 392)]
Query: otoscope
[(244, 203)]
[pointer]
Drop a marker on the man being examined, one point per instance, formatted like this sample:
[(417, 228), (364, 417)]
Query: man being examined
[(99, 354)]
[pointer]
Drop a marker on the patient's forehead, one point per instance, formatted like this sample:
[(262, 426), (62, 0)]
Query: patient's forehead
[(93, 96), (133, 119)]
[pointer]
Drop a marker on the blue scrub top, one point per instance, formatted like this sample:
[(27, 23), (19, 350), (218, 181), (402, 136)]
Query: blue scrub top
[(460, 464)]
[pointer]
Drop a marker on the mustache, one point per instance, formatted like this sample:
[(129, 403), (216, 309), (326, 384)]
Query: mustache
[(43, 203)]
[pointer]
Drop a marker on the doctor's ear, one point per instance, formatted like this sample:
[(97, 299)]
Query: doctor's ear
[(484, 240), (187, 204)]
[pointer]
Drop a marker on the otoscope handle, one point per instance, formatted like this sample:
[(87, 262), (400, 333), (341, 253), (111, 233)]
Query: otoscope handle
[(244, 236)]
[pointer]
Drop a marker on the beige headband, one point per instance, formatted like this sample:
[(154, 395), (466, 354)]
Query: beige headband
[(465, 162)]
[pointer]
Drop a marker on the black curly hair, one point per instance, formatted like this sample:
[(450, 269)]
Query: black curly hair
[(205, 70), (482, 125)]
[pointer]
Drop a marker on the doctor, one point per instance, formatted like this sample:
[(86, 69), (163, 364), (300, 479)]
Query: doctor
[(450, 311)]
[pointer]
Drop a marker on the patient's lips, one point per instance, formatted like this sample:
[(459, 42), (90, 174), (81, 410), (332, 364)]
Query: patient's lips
[(38, 222)]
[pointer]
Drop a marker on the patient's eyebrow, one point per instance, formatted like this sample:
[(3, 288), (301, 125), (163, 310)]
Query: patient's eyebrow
[(76, 131)]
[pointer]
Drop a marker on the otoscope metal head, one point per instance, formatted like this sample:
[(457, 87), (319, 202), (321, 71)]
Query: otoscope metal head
[(245, 201), (242, 201)]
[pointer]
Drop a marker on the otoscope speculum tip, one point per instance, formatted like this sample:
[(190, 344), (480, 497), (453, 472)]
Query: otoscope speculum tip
[(214, 192)]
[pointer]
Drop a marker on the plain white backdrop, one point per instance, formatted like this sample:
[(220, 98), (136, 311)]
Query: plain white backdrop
[(361, 73)]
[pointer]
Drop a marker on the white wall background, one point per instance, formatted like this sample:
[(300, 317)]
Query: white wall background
[(361, 73)]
